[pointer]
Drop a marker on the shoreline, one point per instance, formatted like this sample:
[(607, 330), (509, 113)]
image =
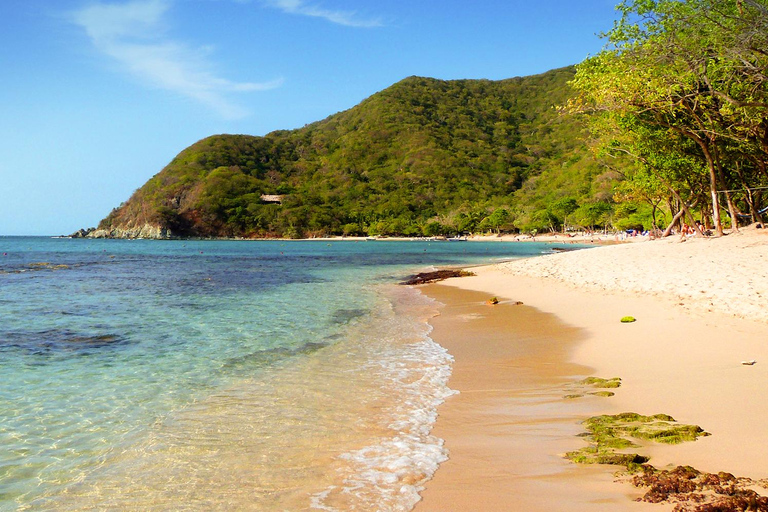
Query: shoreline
[(556, 238), (508, 426), (683, 356)]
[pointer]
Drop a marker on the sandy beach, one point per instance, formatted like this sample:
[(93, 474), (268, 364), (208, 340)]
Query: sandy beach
[(700, 310)]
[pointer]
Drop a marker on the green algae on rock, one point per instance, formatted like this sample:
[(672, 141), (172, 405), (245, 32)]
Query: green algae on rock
[(598, 382), (579, 390), (661, 428), (609, 433)]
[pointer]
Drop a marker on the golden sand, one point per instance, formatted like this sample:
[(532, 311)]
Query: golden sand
[(701, 310)]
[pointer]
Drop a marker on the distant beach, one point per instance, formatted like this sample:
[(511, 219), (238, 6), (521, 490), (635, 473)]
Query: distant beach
[(700, 312)]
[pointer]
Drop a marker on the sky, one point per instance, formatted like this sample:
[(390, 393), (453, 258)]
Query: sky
[(98, 96)]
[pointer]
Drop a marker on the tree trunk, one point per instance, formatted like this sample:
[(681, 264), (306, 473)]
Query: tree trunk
[(732, 211), (715, 201), (683, 210), (688, 213), (671, 226), (705, 149), (731, 207), (753, 215)]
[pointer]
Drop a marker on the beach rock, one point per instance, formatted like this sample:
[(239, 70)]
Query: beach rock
[(82, 233), (599, 382), (694, 491), (149, 231), (432, 277), (604, 394)]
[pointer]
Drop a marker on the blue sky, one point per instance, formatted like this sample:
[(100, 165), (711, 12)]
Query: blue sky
[(97, 96)]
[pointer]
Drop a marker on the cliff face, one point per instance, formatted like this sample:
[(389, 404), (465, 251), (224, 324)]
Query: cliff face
[(423, 155), (146, 231)]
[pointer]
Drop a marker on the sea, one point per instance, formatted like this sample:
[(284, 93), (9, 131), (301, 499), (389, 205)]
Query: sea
[(221, 375)]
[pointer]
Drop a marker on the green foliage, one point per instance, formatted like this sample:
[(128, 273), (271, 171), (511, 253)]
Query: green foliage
[(682, 90), (423, 157), (678, 103), (593, 214)]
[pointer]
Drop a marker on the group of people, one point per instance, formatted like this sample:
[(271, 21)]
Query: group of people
[(687, 230)]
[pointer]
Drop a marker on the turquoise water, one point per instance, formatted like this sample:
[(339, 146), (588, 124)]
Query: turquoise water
[(214, 375)]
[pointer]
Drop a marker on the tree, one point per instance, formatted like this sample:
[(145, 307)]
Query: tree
[(692, 70), (432, 228), (592, 215), (564, 207)]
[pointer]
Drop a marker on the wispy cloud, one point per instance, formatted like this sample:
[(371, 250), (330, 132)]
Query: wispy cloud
[(347, 18), (131, 33)]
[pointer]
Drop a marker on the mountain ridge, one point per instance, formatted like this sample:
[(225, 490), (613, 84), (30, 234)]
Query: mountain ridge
[(421, 157)]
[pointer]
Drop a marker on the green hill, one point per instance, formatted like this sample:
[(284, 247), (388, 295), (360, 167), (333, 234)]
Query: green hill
[(423, 156)]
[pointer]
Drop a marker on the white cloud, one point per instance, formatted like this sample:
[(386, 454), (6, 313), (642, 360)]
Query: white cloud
[(347, 18), (131, 34)]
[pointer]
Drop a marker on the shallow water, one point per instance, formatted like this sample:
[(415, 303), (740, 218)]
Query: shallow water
[(202, 375)]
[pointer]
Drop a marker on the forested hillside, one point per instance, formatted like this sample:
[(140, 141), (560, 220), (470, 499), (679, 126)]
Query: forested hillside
[(422, 157), (676, 105)]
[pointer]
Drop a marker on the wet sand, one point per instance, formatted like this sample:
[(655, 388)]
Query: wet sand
[(507, 429)]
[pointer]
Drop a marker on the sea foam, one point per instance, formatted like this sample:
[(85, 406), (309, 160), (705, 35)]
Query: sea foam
[(389, 473)]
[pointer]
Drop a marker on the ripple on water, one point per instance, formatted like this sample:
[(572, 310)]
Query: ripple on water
[(203, 375)]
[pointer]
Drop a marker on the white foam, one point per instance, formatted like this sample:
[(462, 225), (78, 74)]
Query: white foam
[(390, 473)]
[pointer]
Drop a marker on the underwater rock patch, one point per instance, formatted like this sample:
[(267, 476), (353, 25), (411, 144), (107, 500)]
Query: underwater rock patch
[(342, 316), (60, 340), (269, 356)]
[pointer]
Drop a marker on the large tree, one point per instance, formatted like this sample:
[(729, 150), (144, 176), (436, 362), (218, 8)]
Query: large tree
[(681, 73)]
